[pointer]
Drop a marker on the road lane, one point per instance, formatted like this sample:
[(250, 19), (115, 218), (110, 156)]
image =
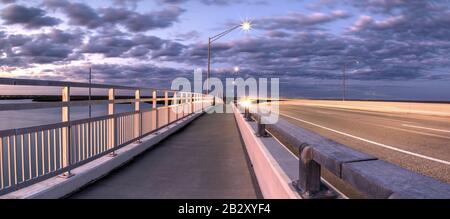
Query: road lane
[(383, 135)]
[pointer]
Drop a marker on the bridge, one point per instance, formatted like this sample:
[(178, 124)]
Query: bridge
[(173, 145)]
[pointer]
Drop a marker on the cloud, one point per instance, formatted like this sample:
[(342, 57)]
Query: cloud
[(296, 20), (25, 50), (144, 75), (215, 2), (83, 15), (29, 17), (7, 1), (135, 46)]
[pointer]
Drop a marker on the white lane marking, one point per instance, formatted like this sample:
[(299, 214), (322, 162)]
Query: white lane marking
[(421, 127), (372, 142), (295, 156)]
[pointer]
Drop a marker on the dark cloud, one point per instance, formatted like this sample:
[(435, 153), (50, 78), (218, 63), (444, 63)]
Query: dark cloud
[(7, 1), (84, 15), (124, 3), (144, 75), (52, 47), (29, 17), (135, 46)]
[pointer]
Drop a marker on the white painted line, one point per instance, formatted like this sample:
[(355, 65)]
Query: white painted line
[(421, 127), (323, 179), (372, 142)]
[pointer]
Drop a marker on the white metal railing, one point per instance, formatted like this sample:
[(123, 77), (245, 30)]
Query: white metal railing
[(32, 154)]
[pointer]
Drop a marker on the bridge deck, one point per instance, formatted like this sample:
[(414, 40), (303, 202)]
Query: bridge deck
[(204, 160)]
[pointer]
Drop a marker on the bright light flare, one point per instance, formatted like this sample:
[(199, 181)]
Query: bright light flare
[(236, 69), (246, 25), (245, 103)]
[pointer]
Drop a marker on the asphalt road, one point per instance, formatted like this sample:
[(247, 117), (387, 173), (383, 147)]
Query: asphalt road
[(417, 142)]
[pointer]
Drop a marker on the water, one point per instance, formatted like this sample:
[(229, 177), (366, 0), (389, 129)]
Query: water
[(27, 118)]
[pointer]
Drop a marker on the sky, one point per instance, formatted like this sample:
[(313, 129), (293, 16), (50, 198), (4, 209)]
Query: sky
[(392, 49)]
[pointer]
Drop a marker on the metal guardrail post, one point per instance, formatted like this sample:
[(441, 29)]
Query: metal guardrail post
[(261, 127), (247, 114), (65, 132), (309, 173)]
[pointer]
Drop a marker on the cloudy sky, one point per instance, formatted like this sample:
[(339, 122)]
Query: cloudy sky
[(402, 46)]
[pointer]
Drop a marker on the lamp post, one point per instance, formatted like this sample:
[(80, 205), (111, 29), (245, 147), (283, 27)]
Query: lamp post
[(246, 25), (344, 77)]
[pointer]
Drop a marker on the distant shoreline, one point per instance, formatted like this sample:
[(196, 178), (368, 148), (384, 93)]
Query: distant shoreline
[(55, 98)]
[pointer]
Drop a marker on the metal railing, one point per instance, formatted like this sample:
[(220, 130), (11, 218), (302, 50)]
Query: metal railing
[(33, 154), (372, 177)]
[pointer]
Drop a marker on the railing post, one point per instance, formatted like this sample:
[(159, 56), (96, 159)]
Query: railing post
[(166, 104), (201, 100), (309, 173), (247, 114), (137, 109), (191, 100), (112, 122), (174, 105), (65, 132), (261, 128), (183, 102), (155, 109)]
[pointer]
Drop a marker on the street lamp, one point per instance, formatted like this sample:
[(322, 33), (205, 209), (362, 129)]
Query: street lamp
[(246, 26), (344, 77)]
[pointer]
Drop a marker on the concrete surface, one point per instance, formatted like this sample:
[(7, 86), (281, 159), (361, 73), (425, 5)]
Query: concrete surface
[(417, 142), (204, 160), (433, 109)]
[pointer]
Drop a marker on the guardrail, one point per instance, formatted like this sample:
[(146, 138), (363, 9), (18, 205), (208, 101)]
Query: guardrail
[(33, 154), (373, 177)]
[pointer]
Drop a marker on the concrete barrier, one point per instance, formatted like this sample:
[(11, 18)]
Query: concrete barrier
[(274, 180), (57, 187)]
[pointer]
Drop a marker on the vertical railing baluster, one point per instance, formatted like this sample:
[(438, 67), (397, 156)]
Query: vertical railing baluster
[(8, 147), (15, 157), (166, 105), (36, 154), (2, 182), (42, 153), (29, 156), (83, 140), (79, 143), (48, 151), (22, 154), (54, 150)]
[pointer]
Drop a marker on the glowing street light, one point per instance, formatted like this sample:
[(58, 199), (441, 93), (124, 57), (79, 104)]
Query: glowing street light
[(245, 26), (236, 69)]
